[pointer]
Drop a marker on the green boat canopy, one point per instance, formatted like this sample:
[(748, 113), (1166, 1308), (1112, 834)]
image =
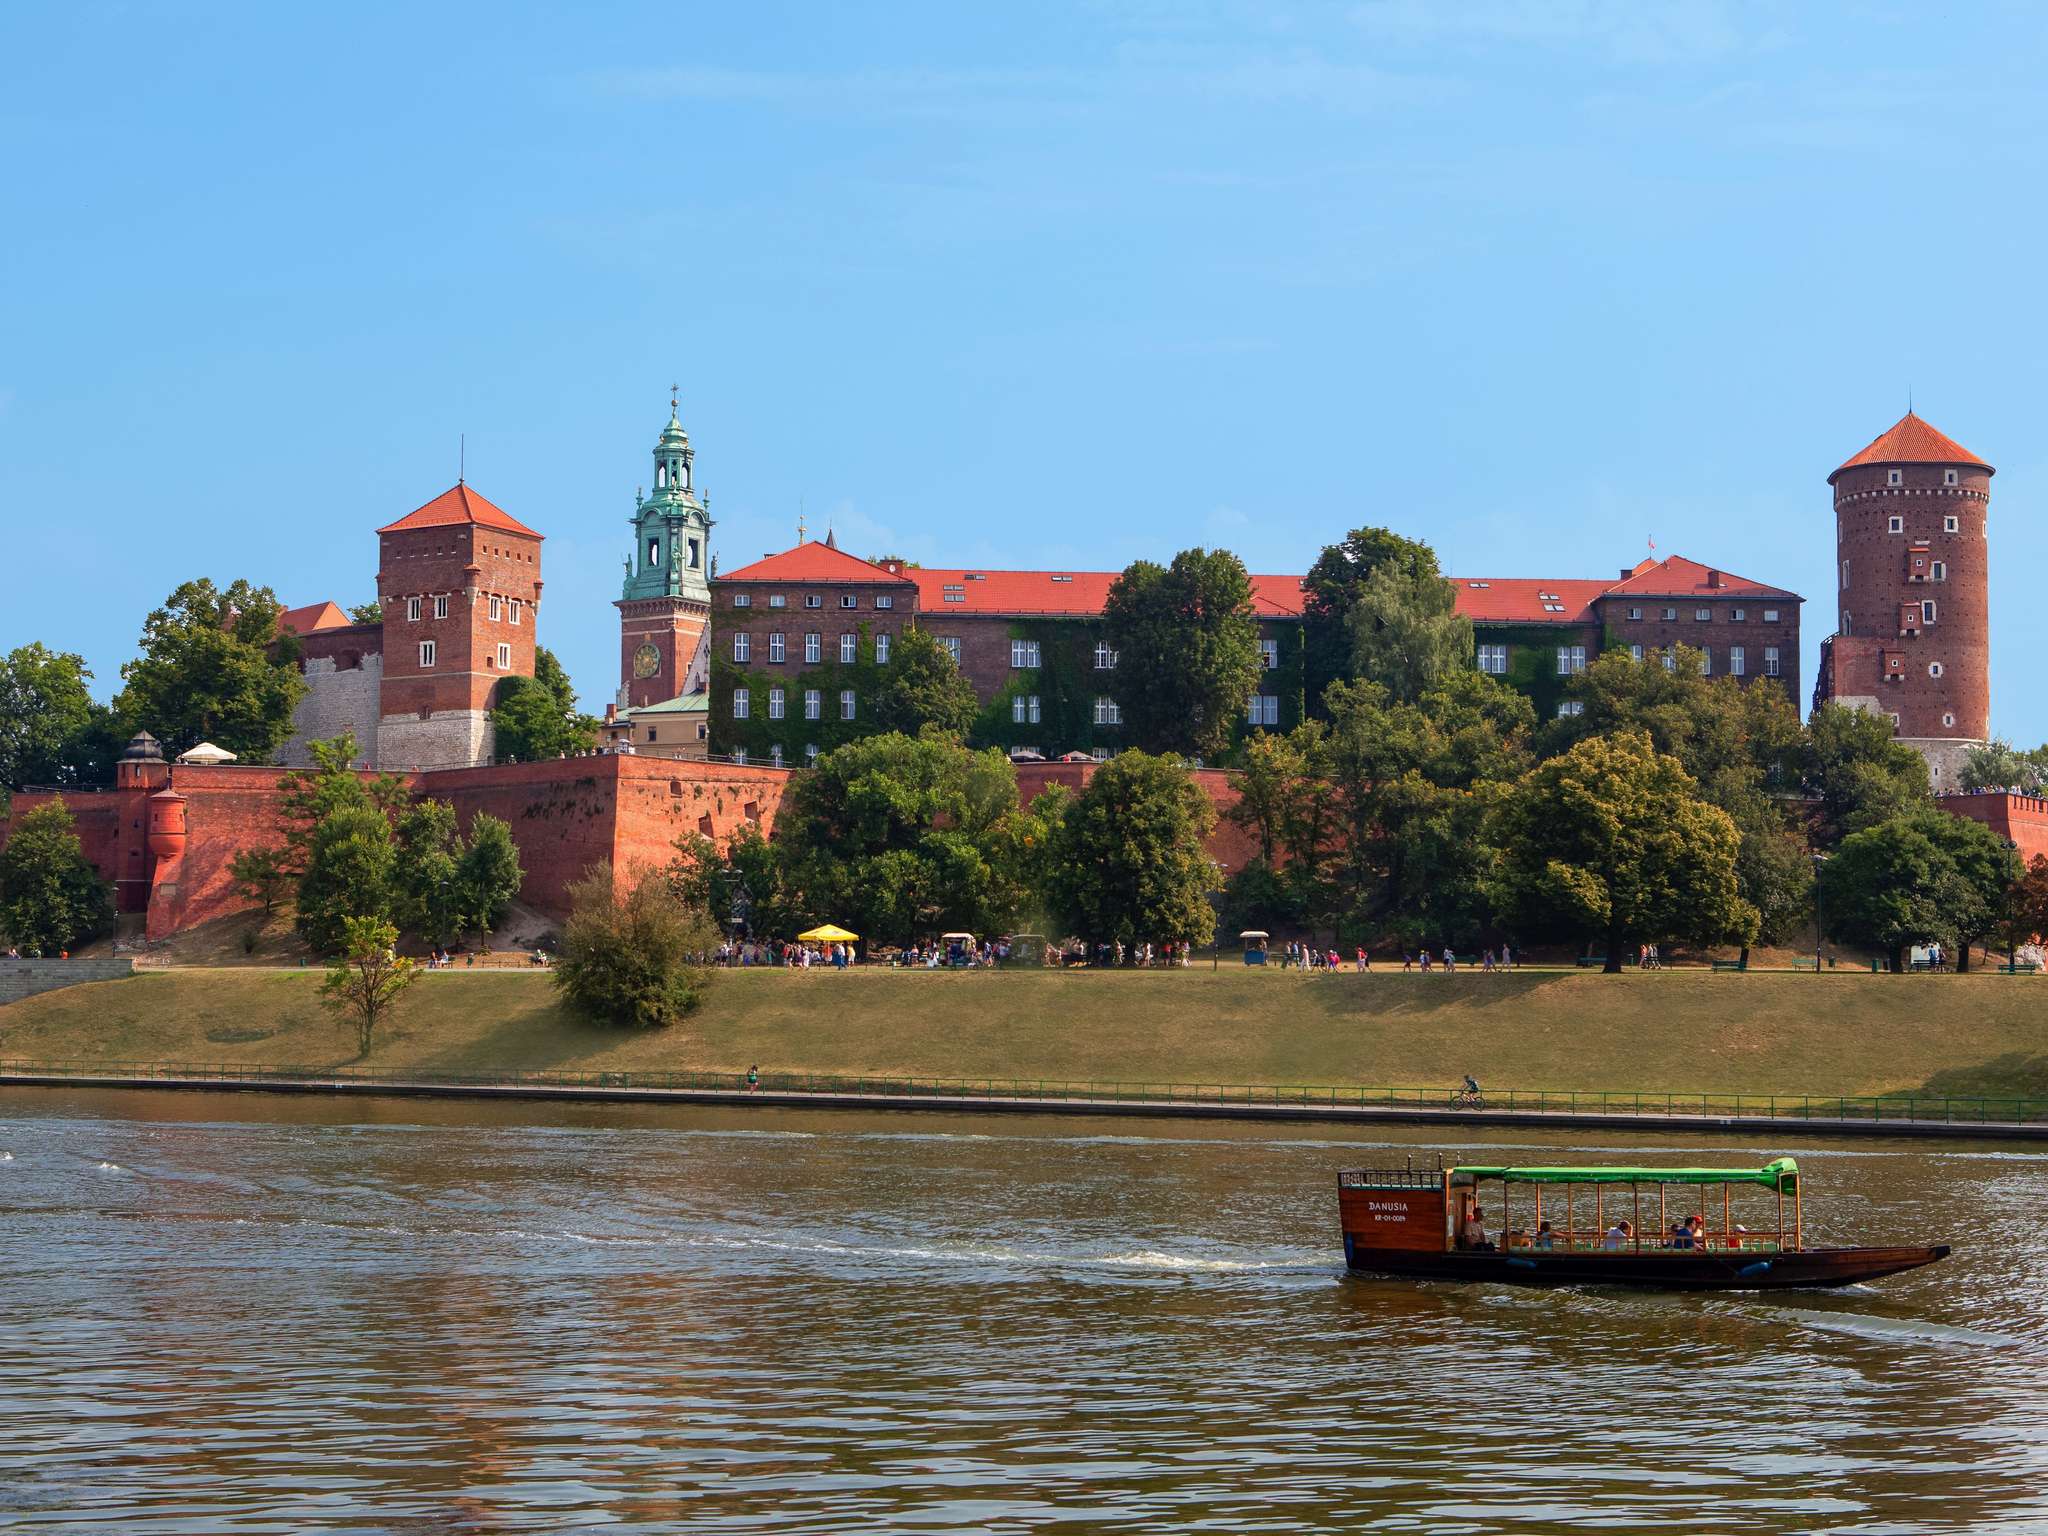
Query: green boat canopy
[(1784, 1172)]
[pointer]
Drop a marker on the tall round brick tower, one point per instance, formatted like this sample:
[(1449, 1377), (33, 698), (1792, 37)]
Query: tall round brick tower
[(1914, 636)]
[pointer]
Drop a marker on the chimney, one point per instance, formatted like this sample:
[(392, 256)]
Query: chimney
[(1626, 572), (1714, 580)]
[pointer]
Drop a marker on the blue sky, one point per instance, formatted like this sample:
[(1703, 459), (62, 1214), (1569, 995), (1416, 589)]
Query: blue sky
[(1024, 286)]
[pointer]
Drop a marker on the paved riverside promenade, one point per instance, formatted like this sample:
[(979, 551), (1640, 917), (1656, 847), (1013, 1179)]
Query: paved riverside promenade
[(1315, 1105)]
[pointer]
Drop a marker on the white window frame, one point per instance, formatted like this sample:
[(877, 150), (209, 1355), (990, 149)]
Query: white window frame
[(1105, 656), (775, 755), (885, 600), (1703, 615), (1928, 612), (742, 648), (1895, 477), (1493, 659), (739, 757), (504, 657), (1770, 615), (1770, 661), (1950, 477), (775, 703), (440, 607), (515, 606), (1264, 709), (847, 707), (1635, 613), (1738, 615), (1635, 653), (742, 703), (497, 608), (1107, 710), (1736, 661), (743, 599), (1269, 655), (1024, 654), (1706, 661), (814, 648), (849, 600), (1670, 615), (810, 753), (849, 650), (882, 649), (1895, 525), (1938, 571), (412, 610), (814, 704), (1571, 660), (777, 600), (1570, 709), (1951, 525), (1934, 669), (952, 645), (778, 646), (814, 599), (428, 652)]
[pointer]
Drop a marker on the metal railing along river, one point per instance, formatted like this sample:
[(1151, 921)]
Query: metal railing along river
[(1890, 1108)]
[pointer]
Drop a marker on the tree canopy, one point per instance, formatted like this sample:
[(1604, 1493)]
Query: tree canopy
[(1919, 878), (1129, 862), (51, 898), (1860, 773), (1406, 632), (899, 837), (215, 667), (536, 717), (1611, 841), (47, 718), (2000, 765), (924, 686), (1188, 650), (635, 956), (1332, 590)]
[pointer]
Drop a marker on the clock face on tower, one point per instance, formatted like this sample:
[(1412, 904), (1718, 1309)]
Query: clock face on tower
[(646, 661)]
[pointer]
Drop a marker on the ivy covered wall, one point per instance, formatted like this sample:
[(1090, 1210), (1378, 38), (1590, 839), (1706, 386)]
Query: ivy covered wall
[(757, 734)]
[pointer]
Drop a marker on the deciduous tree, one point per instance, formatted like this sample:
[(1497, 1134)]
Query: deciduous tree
[(1858, 771), (1188, 650), (51, 898), (367, 978), (214, 667), (1332, 589), (488, 874), (349, 861), (1406, 632), (636, 957), (533, 718), (924, 686), (1130, 862), (1611, 840), (46, 716)]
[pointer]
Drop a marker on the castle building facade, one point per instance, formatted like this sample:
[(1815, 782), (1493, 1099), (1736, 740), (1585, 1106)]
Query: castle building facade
[(801, 640), (458, 589), (1912, 637)]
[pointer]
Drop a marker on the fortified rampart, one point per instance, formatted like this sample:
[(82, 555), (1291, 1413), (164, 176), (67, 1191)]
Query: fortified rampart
[(2021, 819)]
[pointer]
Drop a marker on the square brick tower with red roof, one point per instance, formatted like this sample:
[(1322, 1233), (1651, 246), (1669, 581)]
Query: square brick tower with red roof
[(1914, 637), (459, 583)]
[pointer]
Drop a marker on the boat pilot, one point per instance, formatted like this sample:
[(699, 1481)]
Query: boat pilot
[(1472, 1227)]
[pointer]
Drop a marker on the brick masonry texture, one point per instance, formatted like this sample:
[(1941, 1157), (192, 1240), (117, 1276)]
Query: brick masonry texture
[(2022, 818)]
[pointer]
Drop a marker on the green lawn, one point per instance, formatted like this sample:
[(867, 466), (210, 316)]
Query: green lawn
[(1673, 1031)]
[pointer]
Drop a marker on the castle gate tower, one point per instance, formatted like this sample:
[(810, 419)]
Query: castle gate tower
[(459, 583), (665, 606), (1913, 639)]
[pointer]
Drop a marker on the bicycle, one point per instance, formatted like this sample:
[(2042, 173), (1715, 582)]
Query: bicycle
[(1468, 1098)]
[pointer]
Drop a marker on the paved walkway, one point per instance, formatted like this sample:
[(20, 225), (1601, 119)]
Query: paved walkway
[(624, 1092)]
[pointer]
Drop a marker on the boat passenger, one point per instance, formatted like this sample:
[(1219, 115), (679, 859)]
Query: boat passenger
[(1618, 1236), (1695, 1231), (1472, 1228), (1735, 1238), (1545, 1238)]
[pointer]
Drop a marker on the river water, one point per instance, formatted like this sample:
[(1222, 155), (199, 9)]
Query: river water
[(234, 1314)]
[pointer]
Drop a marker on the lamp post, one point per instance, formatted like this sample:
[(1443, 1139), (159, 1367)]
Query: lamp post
[(1818, 860)]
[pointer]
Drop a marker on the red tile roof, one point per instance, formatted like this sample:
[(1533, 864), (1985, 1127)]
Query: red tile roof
[(1677, 576), (459, 504), (1913, 441), (1078, 593), (814, 561), (303, 621), (1522, 600), (1082, 594)]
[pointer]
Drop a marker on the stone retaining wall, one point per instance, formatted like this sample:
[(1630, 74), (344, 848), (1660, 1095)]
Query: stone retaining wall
[(25, 978)]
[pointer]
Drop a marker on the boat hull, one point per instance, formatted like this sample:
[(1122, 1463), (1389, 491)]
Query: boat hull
[(1700, 1270)]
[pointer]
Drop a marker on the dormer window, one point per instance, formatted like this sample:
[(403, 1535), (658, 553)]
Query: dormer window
[(1895, 477)]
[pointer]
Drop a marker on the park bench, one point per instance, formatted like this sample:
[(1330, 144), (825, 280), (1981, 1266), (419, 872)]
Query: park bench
[(1731, 965)]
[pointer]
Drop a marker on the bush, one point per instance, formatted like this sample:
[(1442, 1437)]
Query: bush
[(51, 898), (636, 959)]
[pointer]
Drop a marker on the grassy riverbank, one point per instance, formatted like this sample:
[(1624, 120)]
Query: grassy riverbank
[(1668, 1032)]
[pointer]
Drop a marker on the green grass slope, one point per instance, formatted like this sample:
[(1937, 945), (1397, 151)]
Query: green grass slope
[(1661, 1032)]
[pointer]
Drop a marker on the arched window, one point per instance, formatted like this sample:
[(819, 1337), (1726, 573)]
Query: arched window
[(654, 551)]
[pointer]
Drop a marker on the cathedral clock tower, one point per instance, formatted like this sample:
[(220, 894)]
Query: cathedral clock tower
[(665, 607)]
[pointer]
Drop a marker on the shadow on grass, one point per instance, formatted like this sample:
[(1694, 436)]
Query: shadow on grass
[(2015, 1075), (1412, 994)]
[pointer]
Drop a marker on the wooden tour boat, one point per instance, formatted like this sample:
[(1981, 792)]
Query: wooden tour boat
[(1431, 1222)]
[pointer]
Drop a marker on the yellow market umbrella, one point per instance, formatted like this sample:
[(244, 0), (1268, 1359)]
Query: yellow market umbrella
[(828, 934)]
